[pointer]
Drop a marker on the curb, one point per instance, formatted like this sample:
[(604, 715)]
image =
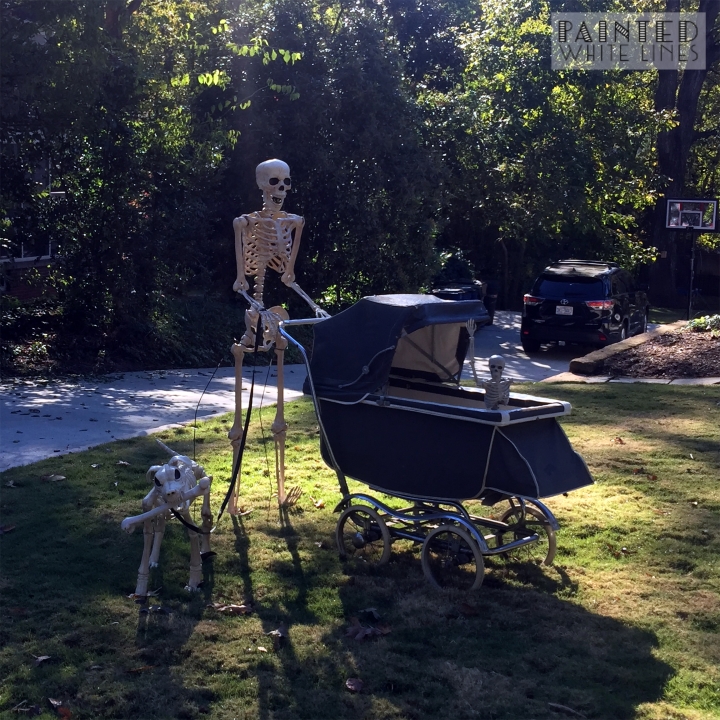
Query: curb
[(592, 363), (569, 377)]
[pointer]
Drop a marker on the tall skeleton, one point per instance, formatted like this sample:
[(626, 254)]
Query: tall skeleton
[(266, 239)]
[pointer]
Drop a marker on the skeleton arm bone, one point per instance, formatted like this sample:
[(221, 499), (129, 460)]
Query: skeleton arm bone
[(319, 312)]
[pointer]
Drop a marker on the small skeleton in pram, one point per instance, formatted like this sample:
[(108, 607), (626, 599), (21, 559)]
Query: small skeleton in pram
[(497, 388)]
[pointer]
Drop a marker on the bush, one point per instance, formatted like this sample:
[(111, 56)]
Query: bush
[(708, 323)]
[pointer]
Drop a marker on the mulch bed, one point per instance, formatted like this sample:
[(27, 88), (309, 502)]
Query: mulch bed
[(674, 355)]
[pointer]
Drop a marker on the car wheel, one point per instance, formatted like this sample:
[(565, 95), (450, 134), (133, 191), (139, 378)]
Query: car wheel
[(530, 345)]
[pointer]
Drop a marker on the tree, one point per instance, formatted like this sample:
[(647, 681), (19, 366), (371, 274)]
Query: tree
[(689, 98)]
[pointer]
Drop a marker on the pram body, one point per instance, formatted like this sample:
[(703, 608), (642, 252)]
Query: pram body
[(384, 376)]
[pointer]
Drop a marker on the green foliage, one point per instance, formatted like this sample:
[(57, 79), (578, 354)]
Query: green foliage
[(707, 323), (412, 129)]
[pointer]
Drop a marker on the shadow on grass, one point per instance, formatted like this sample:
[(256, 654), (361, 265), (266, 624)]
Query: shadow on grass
[(510, 650)]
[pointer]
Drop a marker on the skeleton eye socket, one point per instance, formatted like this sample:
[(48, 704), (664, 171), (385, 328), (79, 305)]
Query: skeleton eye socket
[(274, 181), (496, 367), (158, 483), (177, 474), (287, 181)]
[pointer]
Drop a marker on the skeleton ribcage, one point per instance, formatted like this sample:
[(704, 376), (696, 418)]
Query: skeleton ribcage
[(267, 243)]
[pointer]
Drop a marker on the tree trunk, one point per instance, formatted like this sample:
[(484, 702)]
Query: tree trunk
[(673, 151)]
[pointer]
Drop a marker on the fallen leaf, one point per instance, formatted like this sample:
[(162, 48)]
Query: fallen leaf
[(231, 609), (565, 709), (319, 504), (354, 684), (638, 471), (52, 478), (122, 462), (372, 611), (141, 669), (282, 631), (279, 636), (95, 465), (358, 631), (11, 484), (55, 703), (468, 610), (618, 441), (261, 648), (6, 529), (160, 610), (41, 659)]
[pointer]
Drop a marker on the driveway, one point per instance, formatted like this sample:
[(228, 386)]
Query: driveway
[(503, 338), (42, 419)]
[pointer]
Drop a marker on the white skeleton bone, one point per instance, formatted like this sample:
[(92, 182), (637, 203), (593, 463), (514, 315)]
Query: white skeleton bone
[(266, 239), (176, 485), (497, 389)]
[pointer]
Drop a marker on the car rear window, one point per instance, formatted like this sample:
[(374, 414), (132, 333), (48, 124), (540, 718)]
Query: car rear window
[(556, 288)]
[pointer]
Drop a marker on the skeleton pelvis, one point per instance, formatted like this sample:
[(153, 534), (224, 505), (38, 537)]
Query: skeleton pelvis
[(270, 334)]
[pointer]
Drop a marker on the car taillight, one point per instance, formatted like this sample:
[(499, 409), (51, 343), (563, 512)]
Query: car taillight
[(531, 300), (600, 304)]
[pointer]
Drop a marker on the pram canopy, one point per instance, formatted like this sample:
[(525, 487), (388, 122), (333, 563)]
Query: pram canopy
[(419, 336)]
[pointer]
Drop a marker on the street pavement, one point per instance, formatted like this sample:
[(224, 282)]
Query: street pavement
[(40, 419)]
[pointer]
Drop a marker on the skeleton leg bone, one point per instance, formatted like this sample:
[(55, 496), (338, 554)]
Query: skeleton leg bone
[(235, 432), (207, 520), (196, 575), (141, 588), (279, 426)]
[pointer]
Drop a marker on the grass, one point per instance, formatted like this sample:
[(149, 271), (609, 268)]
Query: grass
[(626, 624)]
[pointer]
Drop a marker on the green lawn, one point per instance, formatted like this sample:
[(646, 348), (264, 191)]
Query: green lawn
[(626, 624)]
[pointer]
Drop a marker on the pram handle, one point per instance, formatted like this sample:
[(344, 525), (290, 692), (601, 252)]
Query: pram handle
[(302, 321)]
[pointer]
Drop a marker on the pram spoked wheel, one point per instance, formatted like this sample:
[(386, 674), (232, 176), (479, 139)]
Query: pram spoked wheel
[(451, 559), (542, 551), (362, 534)]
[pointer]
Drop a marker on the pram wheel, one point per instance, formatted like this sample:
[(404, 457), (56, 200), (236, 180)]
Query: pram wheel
[(452, 559), (542, 551), (363, 535)]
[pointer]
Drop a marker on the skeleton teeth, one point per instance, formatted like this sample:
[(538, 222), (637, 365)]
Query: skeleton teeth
[(277, 200)]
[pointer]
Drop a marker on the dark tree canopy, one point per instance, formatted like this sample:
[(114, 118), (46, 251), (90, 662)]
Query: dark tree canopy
[(415, 130)]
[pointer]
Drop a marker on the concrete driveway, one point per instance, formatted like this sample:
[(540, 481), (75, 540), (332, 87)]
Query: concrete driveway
[(41, 419), (503, 338)]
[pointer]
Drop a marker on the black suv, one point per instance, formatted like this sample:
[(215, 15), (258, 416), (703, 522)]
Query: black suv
[(582, 301)]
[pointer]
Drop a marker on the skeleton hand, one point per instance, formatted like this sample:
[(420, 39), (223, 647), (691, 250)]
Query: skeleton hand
[(292, 497), (319, 312)]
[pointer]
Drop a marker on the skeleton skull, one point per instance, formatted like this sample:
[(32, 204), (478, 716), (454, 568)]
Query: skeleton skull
[(273, 178), (497, 365)]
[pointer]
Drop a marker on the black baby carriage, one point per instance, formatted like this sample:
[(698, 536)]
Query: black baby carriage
[(384, 376)]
